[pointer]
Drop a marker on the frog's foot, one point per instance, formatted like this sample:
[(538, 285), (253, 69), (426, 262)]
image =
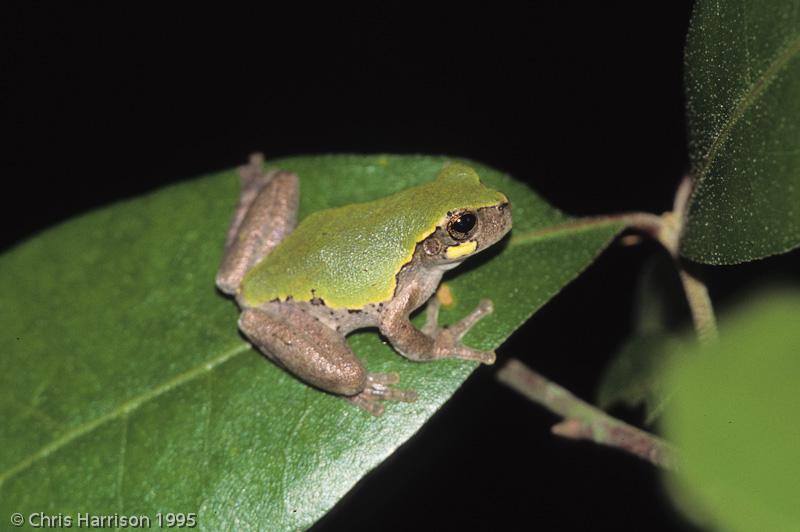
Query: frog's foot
[(447, 340), (378, 389), (253, 170), (253, 180), (266, 213)]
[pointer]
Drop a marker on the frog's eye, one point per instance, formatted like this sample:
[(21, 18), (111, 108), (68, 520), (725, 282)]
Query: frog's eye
[(461, 225)]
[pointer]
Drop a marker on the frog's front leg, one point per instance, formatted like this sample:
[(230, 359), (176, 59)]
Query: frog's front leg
[(266, 213), (434, 342), (319, 356)]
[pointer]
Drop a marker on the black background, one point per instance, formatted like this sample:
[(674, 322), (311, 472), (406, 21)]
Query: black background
[(582, 101)]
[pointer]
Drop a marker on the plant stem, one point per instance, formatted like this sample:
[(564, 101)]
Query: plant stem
[(666, 229), (583, 421), (705, 322)]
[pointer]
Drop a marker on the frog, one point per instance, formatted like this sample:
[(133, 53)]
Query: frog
[(302, 288)]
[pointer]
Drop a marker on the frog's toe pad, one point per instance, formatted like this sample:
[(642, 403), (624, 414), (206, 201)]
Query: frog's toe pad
[(487, 357), (379, 388), (467, 353)]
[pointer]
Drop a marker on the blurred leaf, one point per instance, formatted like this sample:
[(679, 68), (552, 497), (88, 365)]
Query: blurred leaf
[(634, 377), (743, 90), (125, 387), (734, 416)]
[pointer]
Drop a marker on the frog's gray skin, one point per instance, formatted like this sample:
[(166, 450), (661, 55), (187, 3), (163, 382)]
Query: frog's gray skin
[(307, 337)]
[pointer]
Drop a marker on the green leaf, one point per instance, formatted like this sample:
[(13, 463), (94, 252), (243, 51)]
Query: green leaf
[(743, 95), (125, 387), (734, 416), (635, 376)]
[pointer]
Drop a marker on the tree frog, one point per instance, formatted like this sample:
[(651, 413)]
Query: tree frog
[(303, 288)]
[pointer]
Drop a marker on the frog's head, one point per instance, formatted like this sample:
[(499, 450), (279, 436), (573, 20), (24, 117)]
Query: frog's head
[(476, 218)]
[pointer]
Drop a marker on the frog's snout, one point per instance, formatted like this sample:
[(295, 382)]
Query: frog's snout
[(495, 223), (505, 211), (503, 219)]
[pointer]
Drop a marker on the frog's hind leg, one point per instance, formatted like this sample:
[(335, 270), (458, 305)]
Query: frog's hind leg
[(266, 213), (252, 178), (318, 355)]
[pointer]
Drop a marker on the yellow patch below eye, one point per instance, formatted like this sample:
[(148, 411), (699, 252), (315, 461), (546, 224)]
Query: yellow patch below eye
[(454, 252)]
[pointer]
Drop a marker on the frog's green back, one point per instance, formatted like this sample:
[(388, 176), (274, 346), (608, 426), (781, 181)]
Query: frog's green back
[(349, 256)]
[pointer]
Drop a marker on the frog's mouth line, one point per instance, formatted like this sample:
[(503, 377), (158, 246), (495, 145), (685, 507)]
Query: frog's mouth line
[(460, 250)]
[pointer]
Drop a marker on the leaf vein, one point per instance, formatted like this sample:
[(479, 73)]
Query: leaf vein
[(122, 456), (747, 100), (555, 231), (122, 410)]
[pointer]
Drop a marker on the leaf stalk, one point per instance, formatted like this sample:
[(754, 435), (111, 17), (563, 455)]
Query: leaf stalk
[(666, 229)]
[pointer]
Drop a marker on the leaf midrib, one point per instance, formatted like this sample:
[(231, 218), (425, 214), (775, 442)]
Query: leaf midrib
[(123, 409), (756, 89), (573, 226)]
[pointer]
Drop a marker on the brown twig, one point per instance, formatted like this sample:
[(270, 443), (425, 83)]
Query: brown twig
[(583, 421)]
